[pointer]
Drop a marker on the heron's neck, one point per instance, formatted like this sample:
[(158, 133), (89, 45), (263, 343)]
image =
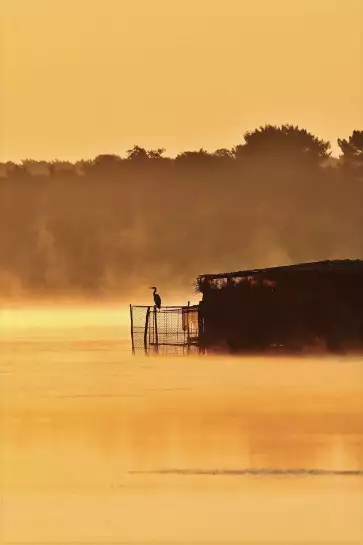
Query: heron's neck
[(154, 291)]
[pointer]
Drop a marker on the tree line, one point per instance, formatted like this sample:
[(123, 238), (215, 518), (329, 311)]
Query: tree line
[(115, 225)]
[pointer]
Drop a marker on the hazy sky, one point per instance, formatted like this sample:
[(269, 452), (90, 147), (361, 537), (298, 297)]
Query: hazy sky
[(83, 77)]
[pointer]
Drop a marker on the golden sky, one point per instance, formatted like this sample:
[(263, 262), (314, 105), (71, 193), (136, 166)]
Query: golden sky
[(83, 77)]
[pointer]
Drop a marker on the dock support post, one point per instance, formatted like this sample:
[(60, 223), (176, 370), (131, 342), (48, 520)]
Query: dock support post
[(156, 331), (132, 330), (146, 329), (188, 331)]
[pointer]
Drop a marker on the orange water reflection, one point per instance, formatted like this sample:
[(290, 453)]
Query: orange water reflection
[(86, 430)]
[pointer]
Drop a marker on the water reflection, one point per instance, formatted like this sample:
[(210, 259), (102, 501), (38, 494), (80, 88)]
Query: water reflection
[(187, 446)]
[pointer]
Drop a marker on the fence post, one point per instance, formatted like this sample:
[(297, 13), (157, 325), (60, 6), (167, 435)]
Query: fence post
[(188, 330), (132, 330), (156, 331), (146, 329), (201, 340)]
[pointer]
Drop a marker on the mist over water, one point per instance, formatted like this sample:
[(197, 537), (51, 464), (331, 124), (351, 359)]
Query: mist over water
[(110, 227), (100, 446)]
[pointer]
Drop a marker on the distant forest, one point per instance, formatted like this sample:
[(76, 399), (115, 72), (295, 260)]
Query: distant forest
[(116, 225)]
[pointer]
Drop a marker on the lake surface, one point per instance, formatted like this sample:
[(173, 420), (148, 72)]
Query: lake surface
[(99, 447)]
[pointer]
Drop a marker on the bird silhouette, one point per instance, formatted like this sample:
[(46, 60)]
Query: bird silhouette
[(157, 298)]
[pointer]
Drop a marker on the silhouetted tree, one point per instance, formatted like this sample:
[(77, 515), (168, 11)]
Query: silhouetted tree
[(36, 168), (156, 154), (137, 154), (142, 155), (284, 142), (107, 160), (352, 149), (223, 153), (194, 158), (61, 167), (106, 166), (122, 222)]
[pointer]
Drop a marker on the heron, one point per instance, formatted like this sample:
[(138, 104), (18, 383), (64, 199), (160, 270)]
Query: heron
[(157, 298)]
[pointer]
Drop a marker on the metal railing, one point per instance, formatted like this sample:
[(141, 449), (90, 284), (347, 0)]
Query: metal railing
[(171, 330)]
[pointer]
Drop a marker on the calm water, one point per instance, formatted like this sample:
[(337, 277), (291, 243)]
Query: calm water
[(99, 447)]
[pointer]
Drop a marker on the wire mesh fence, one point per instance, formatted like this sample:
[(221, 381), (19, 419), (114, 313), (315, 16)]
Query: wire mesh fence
[(168, 330)]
